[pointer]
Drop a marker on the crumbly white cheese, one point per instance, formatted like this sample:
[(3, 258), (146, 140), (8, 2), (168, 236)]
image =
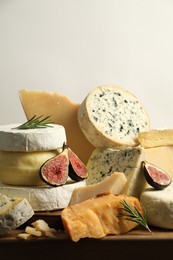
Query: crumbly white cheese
[(13, 213), (158, 205), (29, 140), (105, 161), (43, 198), (111, 117)]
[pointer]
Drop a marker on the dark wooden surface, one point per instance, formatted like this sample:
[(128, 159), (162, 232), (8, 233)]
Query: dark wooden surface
[(136, 244)]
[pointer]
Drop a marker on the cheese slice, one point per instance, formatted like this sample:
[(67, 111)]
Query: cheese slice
[(63, 112), (113, 184), (43, 198), (29, 140), (105, 161), (98, 217), (13, 213), (156, 137), (21, 168), (158, 205)]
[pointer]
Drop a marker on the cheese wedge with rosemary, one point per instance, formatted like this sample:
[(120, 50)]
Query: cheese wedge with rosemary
[(13, 213), (63, 112)]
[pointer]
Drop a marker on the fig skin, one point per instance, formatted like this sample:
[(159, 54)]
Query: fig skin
[(77, 169), (155, 176), (54, 172)]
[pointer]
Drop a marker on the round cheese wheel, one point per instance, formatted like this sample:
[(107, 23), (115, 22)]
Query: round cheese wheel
[(112, 117), (29, 140), (21, 168), (44, 198), (158, 205)]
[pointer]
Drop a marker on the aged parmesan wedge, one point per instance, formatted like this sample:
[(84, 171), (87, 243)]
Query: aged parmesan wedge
[(112, 117), (63, 112), (158, 205), (13, 213), (156, 137), (98, 217), (105, 161), (114, 184)]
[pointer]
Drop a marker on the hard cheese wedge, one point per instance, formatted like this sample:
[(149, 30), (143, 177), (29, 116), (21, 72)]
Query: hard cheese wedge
[(98, 217), (13, 213), (156, 137), (111, 184), (63, 112)]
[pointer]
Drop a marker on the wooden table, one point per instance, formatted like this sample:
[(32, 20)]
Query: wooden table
[(136, 244)]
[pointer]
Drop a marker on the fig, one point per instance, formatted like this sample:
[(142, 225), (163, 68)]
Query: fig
[(155, 176), (54, 171), (77, 169)]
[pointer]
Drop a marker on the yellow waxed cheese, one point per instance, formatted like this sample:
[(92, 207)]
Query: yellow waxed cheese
[(21, 168), (62, 111), (113, 184)]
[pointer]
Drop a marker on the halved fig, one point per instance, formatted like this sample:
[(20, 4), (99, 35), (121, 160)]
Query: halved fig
[(155, 176), (54, 171), (77, 169)]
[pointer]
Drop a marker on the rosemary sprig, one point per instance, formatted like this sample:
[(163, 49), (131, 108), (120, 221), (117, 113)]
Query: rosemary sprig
[(36, 122), (134, 215)]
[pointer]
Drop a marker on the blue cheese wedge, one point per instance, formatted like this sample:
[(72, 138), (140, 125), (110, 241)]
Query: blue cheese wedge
[(111, 117), (30, 140), (13, 213), (105, 161)]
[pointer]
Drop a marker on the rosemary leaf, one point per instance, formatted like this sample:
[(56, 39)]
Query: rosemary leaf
[(134, 215), (36, 122)]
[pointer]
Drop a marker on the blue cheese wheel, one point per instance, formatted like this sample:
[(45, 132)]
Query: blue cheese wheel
[(112, 117)]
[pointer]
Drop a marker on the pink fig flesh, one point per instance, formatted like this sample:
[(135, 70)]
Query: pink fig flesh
[(54, 172), (77, 169)]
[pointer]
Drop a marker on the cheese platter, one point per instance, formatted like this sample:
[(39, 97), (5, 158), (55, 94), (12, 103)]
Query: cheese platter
[(106, 186)]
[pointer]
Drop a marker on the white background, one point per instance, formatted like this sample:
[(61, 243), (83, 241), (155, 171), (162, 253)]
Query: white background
[(71, 46)]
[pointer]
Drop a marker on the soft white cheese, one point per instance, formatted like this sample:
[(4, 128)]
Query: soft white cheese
[(158, 205), (43, 198), (13, 213), (39, 139)]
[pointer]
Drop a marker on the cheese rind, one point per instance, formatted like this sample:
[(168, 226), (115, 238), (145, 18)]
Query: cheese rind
[(111, 117), (158, 205), (113, 184), (13, 213), (43, 198), (156, 137), (104, 161), (29, 140)]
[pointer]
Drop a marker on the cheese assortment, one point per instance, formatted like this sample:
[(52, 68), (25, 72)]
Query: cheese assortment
[(13, 213)]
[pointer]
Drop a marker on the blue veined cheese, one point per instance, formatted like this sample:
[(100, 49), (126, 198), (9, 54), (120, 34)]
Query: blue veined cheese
[(14, 212), (111, 117), (105, 161)]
